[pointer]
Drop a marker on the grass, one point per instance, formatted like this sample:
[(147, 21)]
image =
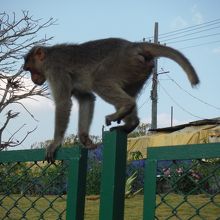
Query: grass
[(133, 207), (186, 208)]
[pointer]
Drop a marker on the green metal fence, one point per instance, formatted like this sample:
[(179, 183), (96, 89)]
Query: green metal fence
[(187, 188), (24, 172), (30, 188), (191, 183)]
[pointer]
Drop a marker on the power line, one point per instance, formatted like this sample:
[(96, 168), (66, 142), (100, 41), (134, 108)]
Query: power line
[(191, 28), (198, 45), (182, 108), (184, 32), (198, 99), (187, 29), (146, 101), (197, 32), (195, 38)]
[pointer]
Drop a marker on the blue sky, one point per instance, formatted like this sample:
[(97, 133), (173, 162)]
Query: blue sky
[(80, 21)]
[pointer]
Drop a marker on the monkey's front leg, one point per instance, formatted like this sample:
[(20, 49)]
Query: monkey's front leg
[(86, 108), (62, 114)]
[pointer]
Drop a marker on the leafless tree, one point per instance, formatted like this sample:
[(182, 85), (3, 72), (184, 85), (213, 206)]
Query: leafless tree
[(17, 35)]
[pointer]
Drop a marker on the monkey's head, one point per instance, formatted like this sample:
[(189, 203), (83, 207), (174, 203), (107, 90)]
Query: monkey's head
[(33, 63)]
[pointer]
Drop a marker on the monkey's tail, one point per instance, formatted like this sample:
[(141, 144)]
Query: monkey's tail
[(163, 51)]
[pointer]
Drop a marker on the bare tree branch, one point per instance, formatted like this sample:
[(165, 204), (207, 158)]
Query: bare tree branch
[(14, 143), (10, 115), (17, 35)]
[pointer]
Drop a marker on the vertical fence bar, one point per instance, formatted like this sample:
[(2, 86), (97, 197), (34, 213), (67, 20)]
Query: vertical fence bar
[(150, 174), (113, 176), (76, 188)]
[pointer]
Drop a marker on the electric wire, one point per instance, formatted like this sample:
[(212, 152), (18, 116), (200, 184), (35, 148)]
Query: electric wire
[(145, 87), (177, 104), (184, 32), (194, 38), (145, 102), (198, 45), (187, 29), (191, 28), (198, 99), (185, 35)]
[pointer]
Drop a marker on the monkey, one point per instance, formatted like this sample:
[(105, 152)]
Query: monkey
[(114, 69)]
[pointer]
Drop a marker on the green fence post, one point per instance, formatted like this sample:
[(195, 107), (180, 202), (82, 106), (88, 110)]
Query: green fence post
[(150, 174), (113, 176), (76, 188)]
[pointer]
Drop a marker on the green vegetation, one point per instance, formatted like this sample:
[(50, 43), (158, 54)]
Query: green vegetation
[(133, 207), (199, 206)]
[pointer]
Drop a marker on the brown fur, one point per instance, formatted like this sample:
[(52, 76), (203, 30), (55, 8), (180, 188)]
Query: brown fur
[(114, 69)]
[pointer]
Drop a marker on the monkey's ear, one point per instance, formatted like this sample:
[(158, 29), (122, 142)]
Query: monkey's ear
[(39, 53)]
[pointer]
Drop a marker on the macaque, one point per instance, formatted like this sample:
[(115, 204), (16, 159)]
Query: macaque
[(114, 69)]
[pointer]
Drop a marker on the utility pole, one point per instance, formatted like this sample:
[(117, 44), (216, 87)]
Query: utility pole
[(154, 85), (171, 116)]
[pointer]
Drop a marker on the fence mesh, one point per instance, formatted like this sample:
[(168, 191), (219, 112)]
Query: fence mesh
[(33, 190), (188, 190)]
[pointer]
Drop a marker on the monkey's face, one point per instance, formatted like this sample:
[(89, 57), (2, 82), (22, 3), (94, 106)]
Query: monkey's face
[(33, 62)]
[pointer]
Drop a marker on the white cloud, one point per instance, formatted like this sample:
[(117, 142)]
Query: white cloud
[(43, 105), (178, 23), (38, 103), (164, 120), (216, 50), (35, 103), (197, 16)]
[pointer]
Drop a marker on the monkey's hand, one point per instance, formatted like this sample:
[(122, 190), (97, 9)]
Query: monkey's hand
[(50, 152)]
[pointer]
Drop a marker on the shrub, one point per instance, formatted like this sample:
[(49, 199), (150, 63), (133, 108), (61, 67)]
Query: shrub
[(93, 179)]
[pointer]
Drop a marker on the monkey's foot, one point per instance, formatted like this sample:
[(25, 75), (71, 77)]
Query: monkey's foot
[(122, 128), (109, 119), (86, 141), (50, 152), (120, 114), (119, 121), (117, 128), (127, 128)]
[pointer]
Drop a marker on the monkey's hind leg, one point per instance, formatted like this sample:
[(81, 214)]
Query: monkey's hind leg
[(116, 96), (119, 115), (131, 122)]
